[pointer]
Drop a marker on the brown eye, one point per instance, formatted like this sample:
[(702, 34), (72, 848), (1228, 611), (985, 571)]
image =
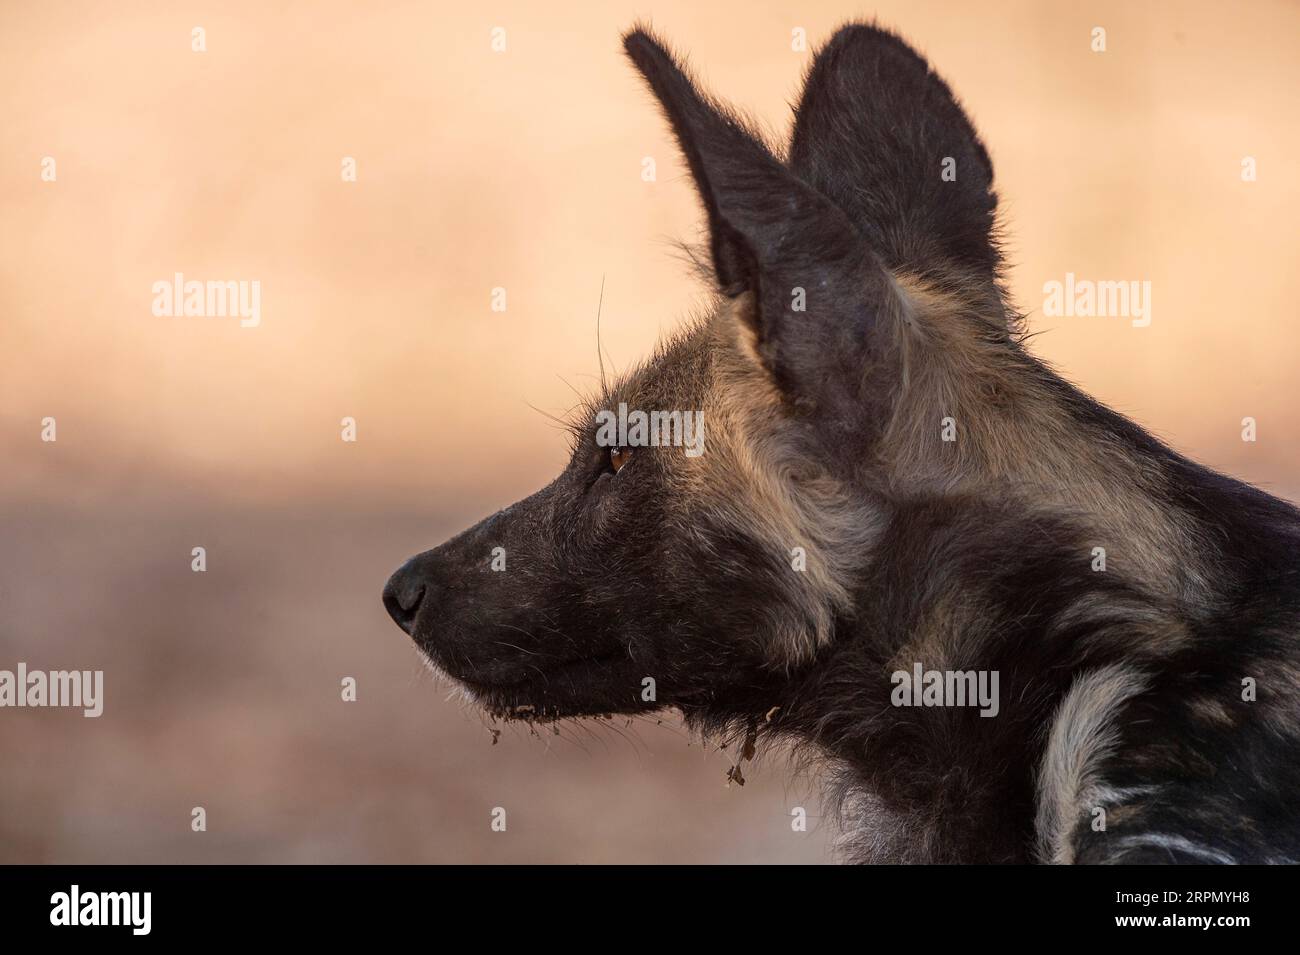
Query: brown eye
[(618, 458)]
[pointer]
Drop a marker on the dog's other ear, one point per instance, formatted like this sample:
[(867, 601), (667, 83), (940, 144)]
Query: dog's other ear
[(817, 288), (882, 136)]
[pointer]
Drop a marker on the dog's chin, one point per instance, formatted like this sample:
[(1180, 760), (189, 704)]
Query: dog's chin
[(521, 703), (603, 685)]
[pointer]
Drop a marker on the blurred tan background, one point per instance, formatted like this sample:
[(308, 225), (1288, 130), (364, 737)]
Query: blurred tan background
[(477, 169)]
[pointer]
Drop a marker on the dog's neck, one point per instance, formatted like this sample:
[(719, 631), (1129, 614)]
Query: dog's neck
[(977, 417)]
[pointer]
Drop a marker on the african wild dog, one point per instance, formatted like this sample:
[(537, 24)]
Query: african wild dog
[(1121, 690)]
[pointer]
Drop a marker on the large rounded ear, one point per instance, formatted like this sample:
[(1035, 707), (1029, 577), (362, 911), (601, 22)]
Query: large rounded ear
[(882, 136), (818, 290)]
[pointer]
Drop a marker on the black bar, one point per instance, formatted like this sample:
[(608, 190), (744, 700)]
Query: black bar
[(328, 904)]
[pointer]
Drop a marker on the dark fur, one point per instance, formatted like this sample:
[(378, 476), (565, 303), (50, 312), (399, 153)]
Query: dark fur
[(824, 434)]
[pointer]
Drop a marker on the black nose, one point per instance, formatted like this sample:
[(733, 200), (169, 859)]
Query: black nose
[(403, 594)]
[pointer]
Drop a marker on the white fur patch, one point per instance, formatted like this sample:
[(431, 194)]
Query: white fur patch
[(1083, 736)]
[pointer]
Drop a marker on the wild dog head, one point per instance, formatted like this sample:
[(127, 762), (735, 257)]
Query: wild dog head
[(717, 574)]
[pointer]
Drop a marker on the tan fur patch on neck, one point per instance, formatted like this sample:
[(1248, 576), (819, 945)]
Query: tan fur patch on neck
[(1017, 439)]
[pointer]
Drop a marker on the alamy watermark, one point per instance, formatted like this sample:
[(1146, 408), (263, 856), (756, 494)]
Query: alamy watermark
[(75, 907), (652, 429), (923, 687), (1086, 298), (211, 299), (60, 688)]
